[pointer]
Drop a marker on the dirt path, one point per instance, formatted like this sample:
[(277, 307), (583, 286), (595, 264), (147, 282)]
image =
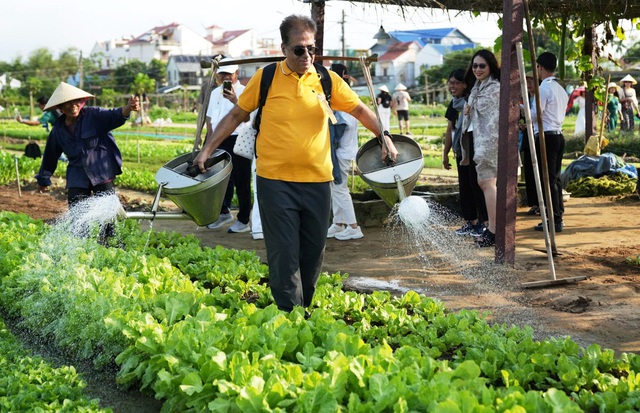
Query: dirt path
[(600, 234)]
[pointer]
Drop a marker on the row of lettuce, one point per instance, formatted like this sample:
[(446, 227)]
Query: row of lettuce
[(197, 328), (142, 160)]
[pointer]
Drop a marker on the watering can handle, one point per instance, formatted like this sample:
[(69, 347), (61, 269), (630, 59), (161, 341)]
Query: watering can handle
[(193, 170)]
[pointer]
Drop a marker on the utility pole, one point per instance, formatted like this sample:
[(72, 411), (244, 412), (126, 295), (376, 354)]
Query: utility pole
[(344, 47), (80, 71)]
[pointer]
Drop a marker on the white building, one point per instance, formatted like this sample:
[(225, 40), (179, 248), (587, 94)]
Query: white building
[(112, 53), (163, 41), (9, 83), (403, 56)]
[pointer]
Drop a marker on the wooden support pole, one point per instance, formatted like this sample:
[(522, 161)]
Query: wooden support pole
[(589, 105), (507, 198), (317, 15)]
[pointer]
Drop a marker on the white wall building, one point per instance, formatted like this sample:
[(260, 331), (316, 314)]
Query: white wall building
[(163, 41), (112, 53)]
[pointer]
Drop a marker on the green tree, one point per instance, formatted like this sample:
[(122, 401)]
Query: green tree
[(125, 75), (142, 85), (451, 61), (157, 70), (108, 97)]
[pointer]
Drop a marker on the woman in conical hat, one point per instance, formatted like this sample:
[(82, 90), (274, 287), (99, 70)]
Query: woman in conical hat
[(629, 103), (84, 135), (400, 106)]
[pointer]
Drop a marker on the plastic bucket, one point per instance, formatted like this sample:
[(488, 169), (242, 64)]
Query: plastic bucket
[(201, 196), (384, 179)]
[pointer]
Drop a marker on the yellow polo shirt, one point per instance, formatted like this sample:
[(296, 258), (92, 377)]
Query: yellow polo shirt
[(293, 143)]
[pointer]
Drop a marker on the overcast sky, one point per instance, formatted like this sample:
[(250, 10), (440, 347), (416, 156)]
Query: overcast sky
[(31, 24)]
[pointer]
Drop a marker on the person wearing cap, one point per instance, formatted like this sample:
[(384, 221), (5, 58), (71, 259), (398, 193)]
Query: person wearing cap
[(84, 135), (400, 105), (629, 103), (294, 169), (222, 100), (344, 147), (553, 103), (383, 100), (48, 117), (614, 108)]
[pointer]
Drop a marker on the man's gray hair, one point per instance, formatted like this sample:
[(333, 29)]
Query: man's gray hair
[(296, 22)]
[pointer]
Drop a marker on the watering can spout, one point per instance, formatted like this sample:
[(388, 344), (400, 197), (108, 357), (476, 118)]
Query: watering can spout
[(401, 194)]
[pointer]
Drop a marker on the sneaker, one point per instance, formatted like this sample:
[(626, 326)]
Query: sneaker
[(349, 233), (222, 220), (257, 235), (478, 230), (334, 229), (534, 210), (465, 229), (559, 227), (239, 227), (488, 239)]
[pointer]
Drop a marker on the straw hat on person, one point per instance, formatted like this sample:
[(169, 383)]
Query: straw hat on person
[(401, 87), (628, 78), (384, 88), (612, 84), (65, 93)]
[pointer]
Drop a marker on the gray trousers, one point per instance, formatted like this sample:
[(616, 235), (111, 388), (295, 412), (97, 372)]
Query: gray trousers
[(295, 219)]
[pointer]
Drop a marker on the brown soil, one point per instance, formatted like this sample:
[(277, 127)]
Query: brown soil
[(600, 234)]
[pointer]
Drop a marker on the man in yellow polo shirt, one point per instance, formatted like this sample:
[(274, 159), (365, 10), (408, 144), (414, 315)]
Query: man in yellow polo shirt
[(294, 169)]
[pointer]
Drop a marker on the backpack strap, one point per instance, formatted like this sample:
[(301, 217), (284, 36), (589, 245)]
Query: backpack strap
[(325, 80), (265, 83)]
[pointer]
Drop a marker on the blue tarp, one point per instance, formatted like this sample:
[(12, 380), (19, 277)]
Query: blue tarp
[(597, 166)]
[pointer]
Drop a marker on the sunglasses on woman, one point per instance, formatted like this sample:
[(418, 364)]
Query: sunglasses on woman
[(479, 66), (299, 50)]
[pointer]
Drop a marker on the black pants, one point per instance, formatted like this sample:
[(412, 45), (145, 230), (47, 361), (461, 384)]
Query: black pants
[(554, 145), (295, 219), (75, 195), (472, 203), (240, 181), (529, 178)]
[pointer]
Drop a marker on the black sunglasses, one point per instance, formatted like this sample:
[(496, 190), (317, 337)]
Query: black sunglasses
[(299, 50), (479, 65)]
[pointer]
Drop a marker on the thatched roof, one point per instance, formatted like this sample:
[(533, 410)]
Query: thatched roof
[(600, 10)]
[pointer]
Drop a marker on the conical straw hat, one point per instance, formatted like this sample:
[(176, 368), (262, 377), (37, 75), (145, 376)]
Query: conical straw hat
[(384, 88), (64, 93), (628, 78), (401, 87)]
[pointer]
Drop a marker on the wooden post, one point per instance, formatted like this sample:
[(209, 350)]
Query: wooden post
[(317, 14), (426, 89), (589, 105), (30, 104), (507, 198)]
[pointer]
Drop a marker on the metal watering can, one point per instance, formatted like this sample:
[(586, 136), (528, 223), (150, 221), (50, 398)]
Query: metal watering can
[(199, 195), (395, 181)]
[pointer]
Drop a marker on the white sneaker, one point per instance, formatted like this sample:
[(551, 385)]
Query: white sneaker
[(333, 230), (222, 220), (257, 235), (349, 233), (239, 227)]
